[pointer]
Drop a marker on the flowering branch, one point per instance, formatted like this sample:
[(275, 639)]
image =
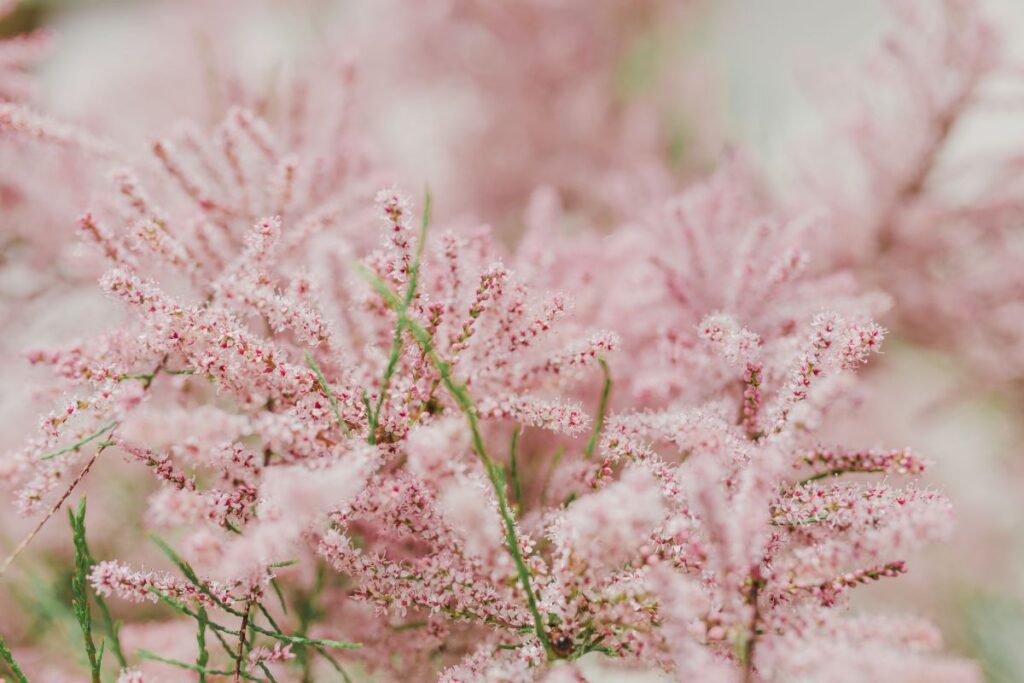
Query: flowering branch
[(495, 473), (396, 344)]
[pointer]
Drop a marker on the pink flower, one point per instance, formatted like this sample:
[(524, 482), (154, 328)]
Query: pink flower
[(487, 453)]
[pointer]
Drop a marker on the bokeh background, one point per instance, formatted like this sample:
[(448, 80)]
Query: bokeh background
[(712, 76)]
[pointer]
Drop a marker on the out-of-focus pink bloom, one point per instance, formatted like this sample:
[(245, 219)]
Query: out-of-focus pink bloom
[(414, 436)]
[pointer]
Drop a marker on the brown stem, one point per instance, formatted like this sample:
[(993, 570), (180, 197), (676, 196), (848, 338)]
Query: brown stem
[(28, 539), (240, 653)]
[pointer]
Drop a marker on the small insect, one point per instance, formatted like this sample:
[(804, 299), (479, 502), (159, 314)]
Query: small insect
[(561, 643)]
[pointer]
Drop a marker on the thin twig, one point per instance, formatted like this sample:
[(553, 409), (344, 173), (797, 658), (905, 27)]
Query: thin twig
[(240, 654), (146, 654), (67, 493)]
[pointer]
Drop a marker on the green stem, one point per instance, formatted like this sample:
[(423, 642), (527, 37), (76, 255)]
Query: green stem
[(496, 475), (77, 446), (602, 408), (294, 640), (396, 343), (513, 468), (146, 654), (111, 627), (327, 390), (203, 657), (5, 654), (80, 590)]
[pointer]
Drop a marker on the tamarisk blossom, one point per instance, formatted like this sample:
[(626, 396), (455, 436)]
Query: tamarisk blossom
[(692, 496), (860, 649), (923, 209), (114, 578), (714, 275), (42, 149), (189, 243), (404, 437), (750, 347), (131, 676), (266, 655), (61, 167), (38, 193), (747, 545), (694, 493), (365, 440), (229, 324), (219, 157)]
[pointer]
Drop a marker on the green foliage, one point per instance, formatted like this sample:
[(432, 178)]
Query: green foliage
[(205, 625), (111, 628), (78, 445), (325, 387), (5, 654), (513, 469), (80, 590), (602, 409)]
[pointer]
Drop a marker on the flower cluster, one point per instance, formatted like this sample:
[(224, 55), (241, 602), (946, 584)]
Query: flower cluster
[(391, 446), (933, 225)]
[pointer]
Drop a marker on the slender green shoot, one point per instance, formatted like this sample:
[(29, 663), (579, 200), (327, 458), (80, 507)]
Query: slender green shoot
[(602, 410), (80, 590), (78, 445), (146, 654), (5, 654), (203, 656), (327, 390), (111, 627), (513, 468), (294, 640), (190, 574), (280, 596)]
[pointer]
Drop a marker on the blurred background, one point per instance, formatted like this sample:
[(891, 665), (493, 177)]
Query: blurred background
[(487, 116)]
